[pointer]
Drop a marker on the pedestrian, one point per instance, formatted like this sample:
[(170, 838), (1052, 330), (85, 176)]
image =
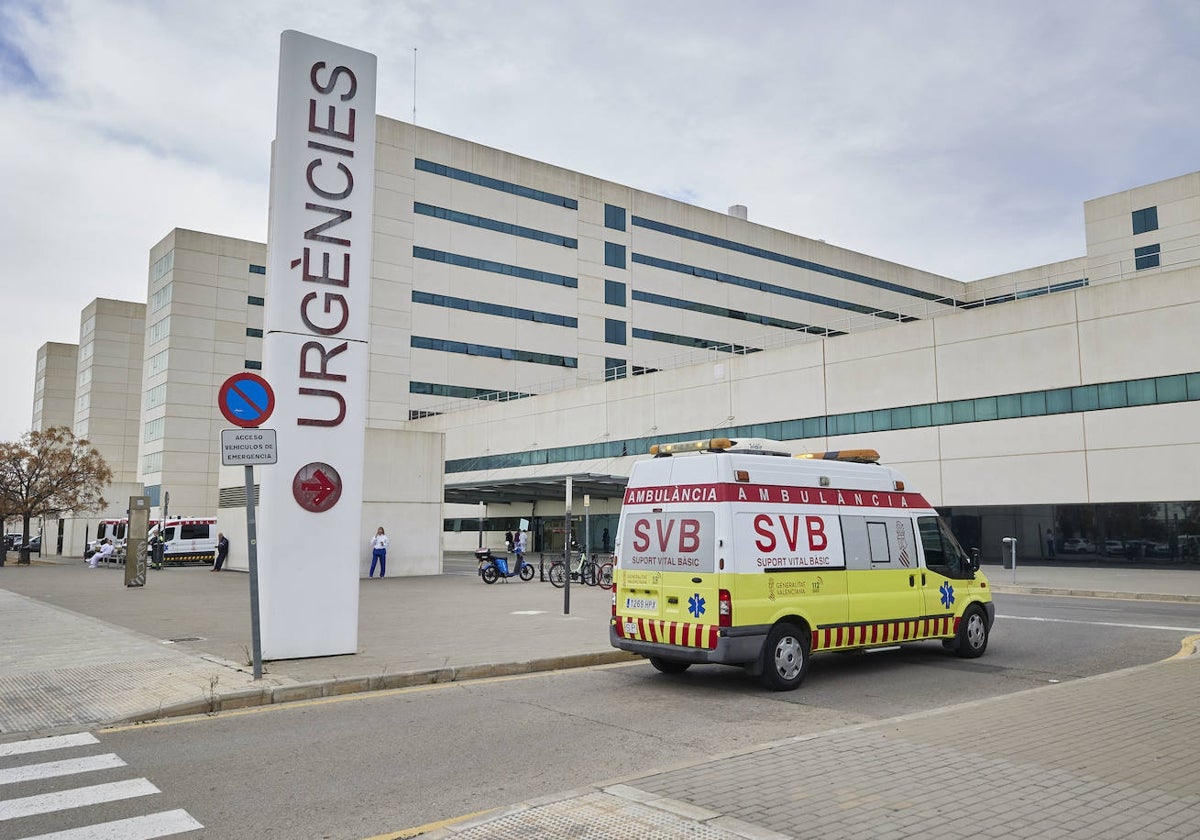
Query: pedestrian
[(508, 540), (604, 540), (103, 553), (519, 547), (379, 547), (1049, 543), (222, 551)]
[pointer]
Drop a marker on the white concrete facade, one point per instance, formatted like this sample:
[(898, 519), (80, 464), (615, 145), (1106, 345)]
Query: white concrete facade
[(504, 290), (54, 386)]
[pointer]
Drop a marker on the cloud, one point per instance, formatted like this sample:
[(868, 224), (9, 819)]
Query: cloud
[(957, 138)]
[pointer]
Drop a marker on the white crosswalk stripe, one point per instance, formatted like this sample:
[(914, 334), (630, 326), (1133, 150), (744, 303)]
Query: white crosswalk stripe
[(134, 828), (74, 800)]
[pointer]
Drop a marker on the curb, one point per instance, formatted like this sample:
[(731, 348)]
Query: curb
[(270, 695), (1017, 589)]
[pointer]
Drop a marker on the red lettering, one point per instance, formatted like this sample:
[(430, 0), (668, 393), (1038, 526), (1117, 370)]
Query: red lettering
[(792, 537), (331, 299), (664, 538), (323, 356), (641, 537), (337, 72), (762, 527), (817, 541), (689, 536), (329, 194)]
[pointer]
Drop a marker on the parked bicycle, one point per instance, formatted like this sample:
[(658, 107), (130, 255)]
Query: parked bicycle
[(584, 569)]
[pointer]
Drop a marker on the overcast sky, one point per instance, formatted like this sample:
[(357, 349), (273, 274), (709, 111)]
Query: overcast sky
[(960, 138)]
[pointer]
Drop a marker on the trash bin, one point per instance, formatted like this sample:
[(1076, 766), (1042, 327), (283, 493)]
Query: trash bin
[(1007, 558)]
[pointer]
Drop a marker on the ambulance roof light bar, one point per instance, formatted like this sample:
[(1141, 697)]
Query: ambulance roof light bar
[(755, 446), (856, 456)]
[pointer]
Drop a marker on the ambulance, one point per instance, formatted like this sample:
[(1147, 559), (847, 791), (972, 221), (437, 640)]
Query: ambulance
[(738, 552), (186, 539)]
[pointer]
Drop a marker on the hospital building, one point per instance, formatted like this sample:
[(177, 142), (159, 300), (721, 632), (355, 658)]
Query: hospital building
[(542, 323)]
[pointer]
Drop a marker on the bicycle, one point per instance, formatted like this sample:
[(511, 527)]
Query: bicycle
[(584, 569)]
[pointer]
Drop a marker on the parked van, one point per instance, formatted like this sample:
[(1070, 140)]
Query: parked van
[(739, 553), (186, 540), (111, 529)]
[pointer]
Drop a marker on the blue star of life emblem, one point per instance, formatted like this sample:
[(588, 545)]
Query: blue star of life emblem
[(696, 605), (947, 594)]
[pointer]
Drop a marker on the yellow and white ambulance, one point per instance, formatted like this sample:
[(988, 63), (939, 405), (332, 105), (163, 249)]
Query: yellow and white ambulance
[(741, 553)]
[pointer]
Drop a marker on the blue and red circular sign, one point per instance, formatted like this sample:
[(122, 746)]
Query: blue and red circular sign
[(246, 400)]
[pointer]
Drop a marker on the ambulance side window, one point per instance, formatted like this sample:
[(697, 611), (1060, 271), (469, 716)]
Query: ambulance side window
[(942, 552)]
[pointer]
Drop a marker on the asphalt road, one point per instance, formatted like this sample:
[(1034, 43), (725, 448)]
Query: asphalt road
[(365, 765)]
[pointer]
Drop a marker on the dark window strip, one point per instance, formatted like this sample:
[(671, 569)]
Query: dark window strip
[(734, 314), (494, 267), (495, 184), (692, 341), (464, 392), (493, 224), (494, 309), (467, 348)]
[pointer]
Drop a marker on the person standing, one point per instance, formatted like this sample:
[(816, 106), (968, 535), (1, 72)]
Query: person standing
[(379, 547), (519, 547), (1049, 543), (604, 540), (222, 551), (508, 540)]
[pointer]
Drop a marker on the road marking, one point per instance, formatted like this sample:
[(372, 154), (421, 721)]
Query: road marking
[(134, 828), (46, 803), (66, 767), (1101, 623), (417, 831), (57, 742)]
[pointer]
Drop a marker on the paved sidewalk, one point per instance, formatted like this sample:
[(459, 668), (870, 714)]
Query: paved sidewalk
[(1116, 755)]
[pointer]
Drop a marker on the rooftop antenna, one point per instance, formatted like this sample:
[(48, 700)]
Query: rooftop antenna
[(414, 85)]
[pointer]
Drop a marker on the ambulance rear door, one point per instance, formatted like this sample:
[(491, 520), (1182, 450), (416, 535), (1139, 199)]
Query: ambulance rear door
[(667, 587)]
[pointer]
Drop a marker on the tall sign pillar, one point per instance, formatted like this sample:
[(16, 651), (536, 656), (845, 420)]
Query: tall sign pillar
[(315, 347)]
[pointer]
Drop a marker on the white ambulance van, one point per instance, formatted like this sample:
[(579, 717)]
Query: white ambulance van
[(186, 539), (740, 553)]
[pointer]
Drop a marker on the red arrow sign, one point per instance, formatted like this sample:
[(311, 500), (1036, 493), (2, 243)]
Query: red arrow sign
[(317, 487)]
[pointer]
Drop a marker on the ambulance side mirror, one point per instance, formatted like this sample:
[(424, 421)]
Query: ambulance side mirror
[(974, 559)]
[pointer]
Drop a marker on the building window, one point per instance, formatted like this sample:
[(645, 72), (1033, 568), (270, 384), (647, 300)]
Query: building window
[(1146, 257), (160, 298), (252, 365), (614, 254), (155, 430), (614, 293), (615, 368), (254, 332), (252, 300), (156, 396), (157, 363), (258, 269), (152, 463), (614, 217), (614, 331), (1145, 220), (164, 264), (159, 329)]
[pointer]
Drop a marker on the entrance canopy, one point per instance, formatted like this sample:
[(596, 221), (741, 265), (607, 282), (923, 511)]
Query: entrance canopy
[(541, 488)]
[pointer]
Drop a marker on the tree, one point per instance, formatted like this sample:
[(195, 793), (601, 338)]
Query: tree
[(49, 473)]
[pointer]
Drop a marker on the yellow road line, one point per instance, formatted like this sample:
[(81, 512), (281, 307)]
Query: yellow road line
[(417, 831), (1186, 647)]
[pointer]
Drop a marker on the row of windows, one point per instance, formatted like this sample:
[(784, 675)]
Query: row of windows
[(494, 309), (155, 429), (164, 264), (492, 224), (494, 267), (1064, 286), (463, 392), (769, 288), (495, 184), (1133, 392), (152, 463), (692, 341), (159, 329), (737, 315), (489, 351), (161, 297), (796, 262)]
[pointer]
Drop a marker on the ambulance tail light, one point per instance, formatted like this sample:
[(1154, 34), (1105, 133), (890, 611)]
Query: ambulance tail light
[(614, 603), (724, 609)]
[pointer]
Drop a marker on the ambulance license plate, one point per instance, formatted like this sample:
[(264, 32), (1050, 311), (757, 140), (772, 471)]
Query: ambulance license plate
[(630, 628), (641, 604)]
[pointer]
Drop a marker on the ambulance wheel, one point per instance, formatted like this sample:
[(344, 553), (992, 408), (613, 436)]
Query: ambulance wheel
[(527, 572), (489, 574), (972, 638), (785, 657), (558, 574), (669, 666)]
